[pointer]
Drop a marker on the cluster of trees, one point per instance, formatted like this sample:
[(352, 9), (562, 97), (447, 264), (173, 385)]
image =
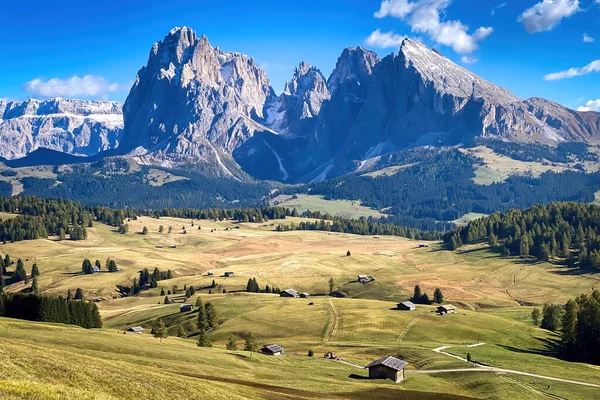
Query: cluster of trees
[(250, 343), (563, 153), (88, 268), (253, 287), (569, 231), (440, 187), (205, 322), (579, 324), (420, 297), (33, 307), (117, 186), (360, 227), (19, 274)]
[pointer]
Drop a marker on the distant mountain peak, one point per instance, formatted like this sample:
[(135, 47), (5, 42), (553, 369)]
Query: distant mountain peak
[(352, 65)]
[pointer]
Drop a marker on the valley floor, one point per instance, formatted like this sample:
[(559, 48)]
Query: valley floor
[(494, 296)]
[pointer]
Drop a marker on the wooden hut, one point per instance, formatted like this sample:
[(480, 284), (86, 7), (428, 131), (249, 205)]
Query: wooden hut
[(387, 368)]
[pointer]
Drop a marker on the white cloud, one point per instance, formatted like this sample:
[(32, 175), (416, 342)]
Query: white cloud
[(86, 86), (592, 105), (423, 16), (468, 60), (587, 38), (499, 6), (592, 67), (544, 16), (384, 39)]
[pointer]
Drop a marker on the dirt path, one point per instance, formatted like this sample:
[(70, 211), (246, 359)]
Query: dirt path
[(484, 368), (405, 331), (333, 322)]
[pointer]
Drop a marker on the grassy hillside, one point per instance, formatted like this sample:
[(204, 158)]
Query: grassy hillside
[(493, 294)]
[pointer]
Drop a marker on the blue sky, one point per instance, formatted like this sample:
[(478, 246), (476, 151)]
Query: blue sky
[(50, 48)]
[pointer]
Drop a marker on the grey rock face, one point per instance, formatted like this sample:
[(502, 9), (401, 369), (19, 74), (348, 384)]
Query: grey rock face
[(77, 127), (193, 102)]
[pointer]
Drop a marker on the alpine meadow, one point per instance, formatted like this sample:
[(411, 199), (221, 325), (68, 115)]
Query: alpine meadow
[(413, 212)]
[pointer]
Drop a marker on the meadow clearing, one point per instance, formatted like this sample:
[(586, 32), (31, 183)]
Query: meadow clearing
[(494, 295)]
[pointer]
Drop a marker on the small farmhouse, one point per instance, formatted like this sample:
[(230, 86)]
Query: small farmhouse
[(173, 246), (406, 306), (362, 278), (305, 295), (159, 246), (228, 274), (136, 329), (330, 355), (185, 308), (272, 350), (96, 269), (289, 293), (387, 368), (210, 273), (446, 309)]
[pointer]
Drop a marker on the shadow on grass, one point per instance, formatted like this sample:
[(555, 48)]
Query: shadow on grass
[(551, 348), (356, 376)]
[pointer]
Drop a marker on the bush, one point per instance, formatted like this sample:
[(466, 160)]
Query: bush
[(311, 353)]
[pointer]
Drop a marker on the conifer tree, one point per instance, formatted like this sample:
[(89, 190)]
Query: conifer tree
[(204, 339), (34, 270), (145, 231), (201, 320), (211, 315), (160, 330), (162, 291), (34, 285), (438, 297), (535, 316), (98, 264), (20, 274), (250, 343), (79, 294), (232, 343)]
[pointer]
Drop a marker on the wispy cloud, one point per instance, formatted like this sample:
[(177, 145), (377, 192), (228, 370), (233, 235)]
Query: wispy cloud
[(75, 86), (468, 60), (545, 15), (592, 67), (384, 39), (423, 16), (587, 38), (496, 8), (592, 105)]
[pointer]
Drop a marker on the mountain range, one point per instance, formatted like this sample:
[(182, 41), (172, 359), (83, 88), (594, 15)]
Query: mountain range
[(195, 104)]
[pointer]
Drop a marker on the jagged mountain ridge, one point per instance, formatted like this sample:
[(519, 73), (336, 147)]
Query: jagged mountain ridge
[(77, 127), (196, 103)]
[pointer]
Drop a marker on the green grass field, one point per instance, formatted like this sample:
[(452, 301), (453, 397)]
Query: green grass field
[(494, 295), (341, 208)]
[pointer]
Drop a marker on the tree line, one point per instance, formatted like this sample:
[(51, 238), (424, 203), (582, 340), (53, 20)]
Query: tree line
[(579, 324), (568, 232), (34, 307)]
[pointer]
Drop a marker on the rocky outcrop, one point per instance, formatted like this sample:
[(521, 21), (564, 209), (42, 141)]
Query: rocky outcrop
[(77, 127)]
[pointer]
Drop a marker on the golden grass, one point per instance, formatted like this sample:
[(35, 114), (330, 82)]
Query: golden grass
[(341, 208)]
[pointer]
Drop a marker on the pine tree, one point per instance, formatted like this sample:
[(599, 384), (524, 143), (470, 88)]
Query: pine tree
[(535, 316), (69, 295), (34, 270), (211, 315), (160, 330), (1, 286), (181, 331), (145, 231), (201, 320), (232, 343), (86, 267), (213, 284), (204, 339), (331, 285), (98, 264), (162, 291), (438, 297), (250, 343), (167, 300), (417, 295), (569, 324), (161, 229), (34, 285), (20, 274), (79, 294)]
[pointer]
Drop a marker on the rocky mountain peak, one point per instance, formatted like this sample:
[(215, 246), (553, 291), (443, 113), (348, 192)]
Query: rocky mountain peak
[(448, 77), (353, 65)]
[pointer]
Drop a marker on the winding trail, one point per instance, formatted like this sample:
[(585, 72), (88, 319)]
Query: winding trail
[(483, 368), (405, 331), (333, 324)]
